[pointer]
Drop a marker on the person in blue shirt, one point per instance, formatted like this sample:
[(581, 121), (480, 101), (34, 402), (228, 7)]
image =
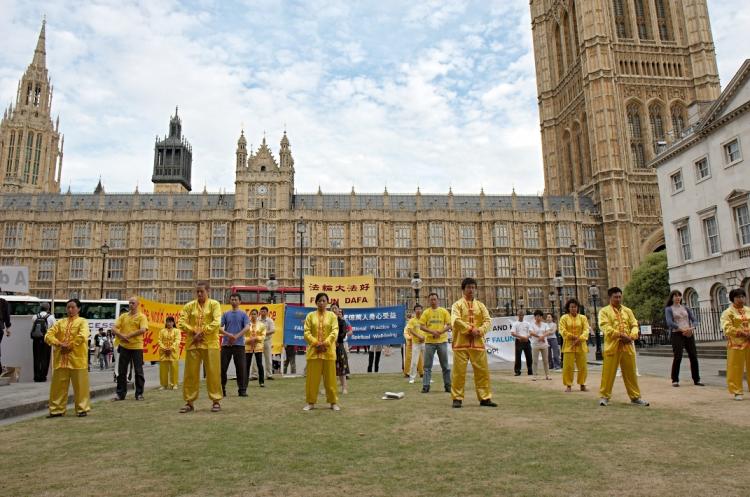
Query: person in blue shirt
[(234, 325)]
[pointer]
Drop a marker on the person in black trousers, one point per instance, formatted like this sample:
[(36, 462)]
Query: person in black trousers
[(40, 350), (4, 323), (373, 358), (681, 323), (129, 330), (234, 325), (520, 331)]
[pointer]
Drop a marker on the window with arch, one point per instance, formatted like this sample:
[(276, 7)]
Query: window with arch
[(663, 19), (642, 19), (636, 136), (579, 155), (559, 52), (678, 120), (37, 157), (11, 148), (566, 40), (691, 298), (568, 166), (720, 297), (656, 117), (27, 161), (622, 21), (587, 167), (574, 26)]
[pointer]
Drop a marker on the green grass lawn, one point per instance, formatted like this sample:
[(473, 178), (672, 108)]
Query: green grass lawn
[(536, 443)]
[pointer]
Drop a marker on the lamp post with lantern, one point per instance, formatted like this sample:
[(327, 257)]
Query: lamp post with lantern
[(301, 230), (416, 284), (272, 284), (104, 249), (594, 293)]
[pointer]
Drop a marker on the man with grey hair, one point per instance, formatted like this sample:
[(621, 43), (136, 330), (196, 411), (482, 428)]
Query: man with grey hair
[(40, 323), (129, 330)]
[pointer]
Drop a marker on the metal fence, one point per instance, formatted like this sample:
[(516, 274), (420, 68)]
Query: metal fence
[(708, 329)]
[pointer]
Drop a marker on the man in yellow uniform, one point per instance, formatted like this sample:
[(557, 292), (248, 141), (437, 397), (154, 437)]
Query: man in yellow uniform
[(200, 320), (735, 321), (129, 329), (417, 343), (68, 339), (435, 323), (574, 328), (255, 337), (169, 355), (321, 330), (470, 321), (620, 329), (407, 349)]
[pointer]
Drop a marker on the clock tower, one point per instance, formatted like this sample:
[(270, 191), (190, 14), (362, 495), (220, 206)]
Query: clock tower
[(261, 182)]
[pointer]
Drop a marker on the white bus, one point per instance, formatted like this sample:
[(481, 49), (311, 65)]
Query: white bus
[(16, 349)]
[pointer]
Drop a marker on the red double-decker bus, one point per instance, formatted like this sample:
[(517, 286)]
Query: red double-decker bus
[(262, 295)]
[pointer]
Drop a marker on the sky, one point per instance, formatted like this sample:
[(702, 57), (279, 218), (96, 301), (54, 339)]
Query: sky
[(432, 94)]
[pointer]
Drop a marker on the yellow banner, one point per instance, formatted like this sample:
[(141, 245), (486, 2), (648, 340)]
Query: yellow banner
[(349, 292), (157, 313)]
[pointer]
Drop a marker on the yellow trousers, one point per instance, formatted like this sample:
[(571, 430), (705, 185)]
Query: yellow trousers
[(58, 390), (478, 360), (191, 380), (570, 361), (738, 361), (317, 368), (407, 360), (626, 362), (168, 372)]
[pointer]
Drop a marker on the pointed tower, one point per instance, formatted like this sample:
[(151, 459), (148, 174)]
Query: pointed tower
[(241, 152), (173, 160), (30, 152)]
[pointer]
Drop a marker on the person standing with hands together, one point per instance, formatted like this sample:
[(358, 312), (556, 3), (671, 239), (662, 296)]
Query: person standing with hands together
[(574, 329), (681, 323), (321, 330), (520, 331), (129, 330)]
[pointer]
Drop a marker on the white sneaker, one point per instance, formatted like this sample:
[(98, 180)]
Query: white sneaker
[(738, 396), (411, 380), (335, 407), (603, 402), (639, 402), (308, 407)]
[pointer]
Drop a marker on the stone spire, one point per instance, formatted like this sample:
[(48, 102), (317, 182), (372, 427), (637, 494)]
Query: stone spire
[(40, 54)]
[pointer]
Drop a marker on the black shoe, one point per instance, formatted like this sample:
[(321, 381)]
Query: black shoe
[(448, 389), (54, 415), (518, 373), (700, 384), (457, 404), (425, 389), (82, 414), (139, 397), (269, 377), (223, 393), (487, 403), (242, 394), (531, 373)]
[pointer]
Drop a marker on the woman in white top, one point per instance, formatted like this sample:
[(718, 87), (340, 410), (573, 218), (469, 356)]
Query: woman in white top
[(538, 331), (554, 344)]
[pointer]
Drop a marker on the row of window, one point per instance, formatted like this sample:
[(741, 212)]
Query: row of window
[(659, 132), (731, 153), (264, 234), (642, 15), (32, 155), (710, 226)]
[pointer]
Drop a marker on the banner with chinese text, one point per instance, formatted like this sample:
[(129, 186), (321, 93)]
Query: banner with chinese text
[(157, 313), (376, 326), (349, 292)]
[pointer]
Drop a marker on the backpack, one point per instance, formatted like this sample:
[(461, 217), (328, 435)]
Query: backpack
[(39, 328), (105, 344)]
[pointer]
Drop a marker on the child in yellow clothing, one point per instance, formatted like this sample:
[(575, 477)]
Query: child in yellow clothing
[(254, 340), (169, 355)]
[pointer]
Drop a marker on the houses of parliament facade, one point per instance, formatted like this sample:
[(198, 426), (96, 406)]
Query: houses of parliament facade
[(617, 80)]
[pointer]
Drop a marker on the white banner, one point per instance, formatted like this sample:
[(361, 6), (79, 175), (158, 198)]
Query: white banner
[(14, 279), (500, 344)]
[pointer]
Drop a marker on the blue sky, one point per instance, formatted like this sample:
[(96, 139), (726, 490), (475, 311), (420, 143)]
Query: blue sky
[(435, 94)]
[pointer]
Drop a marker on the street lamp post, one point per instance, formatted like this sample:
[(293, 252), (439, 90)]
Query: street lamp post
[(552, 299), (574, 249), (513, 282), (301, 229), (272, 284), (594, 292), (558, 282), (416, 284), (104, 249)]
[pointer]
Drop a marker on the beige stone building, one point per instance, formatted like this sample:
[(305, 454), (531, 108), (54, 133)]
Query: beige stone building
[(617, 80)]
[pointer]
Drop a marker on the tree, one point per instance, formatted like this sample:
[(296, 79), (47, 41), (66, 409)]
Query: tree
[(648, 288)]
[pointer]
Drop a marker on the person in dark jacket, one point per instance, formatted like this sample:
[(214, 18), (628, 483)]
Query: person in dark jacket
[(4, 324)]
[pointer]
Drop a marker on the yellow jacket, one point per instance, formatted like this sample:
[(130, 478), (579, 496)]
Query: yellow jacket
[(169, 340), (570, 328), (413, 329), (613, 322), (317, 331), (464, 316), (76, 333), (127, 324), (435, 319), (258, 331), (206, 318), (732, 321)]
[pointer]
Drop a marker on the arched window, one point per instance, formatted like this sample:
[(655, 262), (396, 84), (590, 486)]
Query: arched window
[(579, 157), (568, 167), (663, 19), (11, 147), (690, 297), (27, 158), (636, 136), (622, 21), (587, 165), (656, 118), (720, 297), (642, 20), (574, 25), (559, 52), (566, 38), (678, 120)]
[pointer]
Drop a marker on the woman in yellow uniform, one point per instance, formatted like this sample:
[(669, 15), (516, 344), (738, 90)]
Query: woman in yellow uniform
[(574, 328), (169, 355), (68, 339), (254, 340), (735, 321), (408, 348), (200, 320), (321, 331)]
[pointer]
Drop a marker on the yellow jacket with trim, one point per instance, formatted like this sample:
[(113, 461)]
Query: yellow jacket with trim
[(570, 328), (207, 318), (613, 322), (734, 320), (463, 314), (256, 330), (76, 333), (169, 340), (315, 335)]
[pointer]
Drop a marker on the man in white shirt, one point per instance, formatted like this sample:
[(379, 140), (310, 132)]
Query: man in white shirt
[(40, 323), (520, 331)]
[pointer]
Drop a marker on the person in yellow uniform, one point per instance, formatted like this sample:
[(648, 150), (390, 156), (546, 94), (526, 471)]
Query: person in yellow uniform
[(68, 339), (574, 328), (470, 321), (417, 343), (620, 330), (200, 320), (169, 355), (321, 330), (129, 330), (408, 343), (254, 345), (435, 323), (735, 321)]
